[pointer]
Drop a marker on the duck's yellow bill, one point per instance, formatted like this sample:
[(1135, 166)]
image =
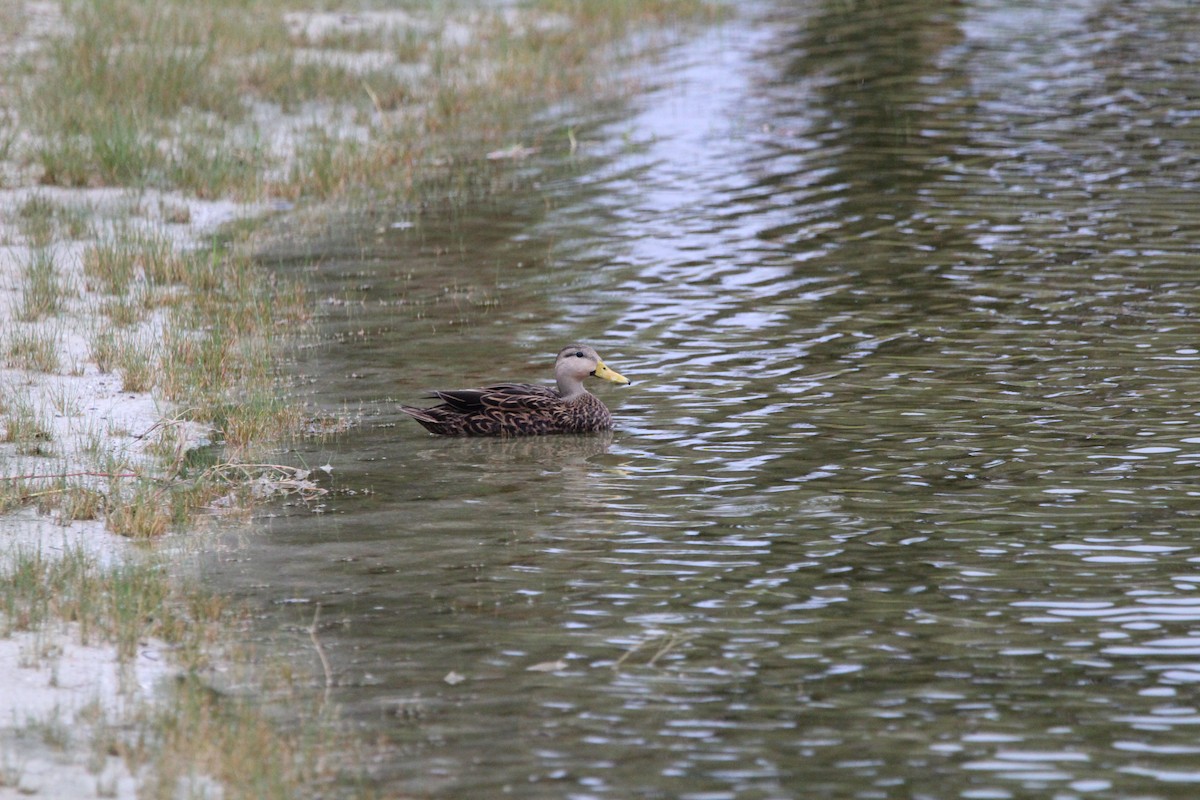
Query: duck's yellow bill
[(602, 371)]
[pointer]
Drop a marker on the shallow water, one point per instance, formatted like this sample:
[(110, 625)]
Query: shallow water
[(902, 501)]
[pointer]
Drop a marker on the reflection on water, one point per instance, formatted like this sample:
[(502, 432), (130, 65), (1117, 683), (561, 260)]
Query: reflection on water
[(903, 499)]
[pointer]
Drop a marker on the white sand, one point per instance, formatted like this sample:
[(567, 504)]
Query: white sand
[(57, 695)]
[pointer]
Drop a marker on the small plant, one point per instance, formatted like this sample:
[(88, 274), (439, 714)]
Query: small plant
[(64, 401), (104, 350), (109, 265), (161, 262), (41, 289), (33, 348), (144, 513), (123, 150), (258, 416), (41, 219), (170, 442), (24, 428), (124, 311), (207, 161), (70, 502), (80, 502), (8, 133), (36, 219), (136, 362), (52, 730)]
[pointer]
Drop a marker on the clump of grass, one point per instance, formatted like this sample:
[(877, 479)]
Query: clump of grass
[(107, 89), (103, 349), (119, 264), (123, 152), (161, 262), (325, 166), (169, 443), (209, 162), (135, 360), (142, 513), (42, 221), (230, 739), (24, 428), (69, 502), (127, 310), (64, 401), (36, 219), (260, 416), (80, 503), (283, 77), (64, 160), (8, 134), (125, 603), (33, 348), (109, 265), (42, 293)]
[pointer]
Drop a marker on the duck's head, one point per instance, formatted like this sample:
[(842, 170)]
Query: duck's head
[(578, 361)]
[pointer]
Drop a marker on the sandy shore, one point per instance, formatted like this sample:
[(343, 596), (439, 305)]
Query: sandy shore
[(58, 691), (433, 79)]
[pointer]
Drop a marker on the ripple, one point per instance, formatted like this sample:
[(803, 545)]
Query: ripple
[(903, 496)]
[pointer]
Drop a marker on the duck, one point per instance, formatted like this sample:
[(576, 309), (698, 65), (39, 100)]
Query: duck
[(525, 409)]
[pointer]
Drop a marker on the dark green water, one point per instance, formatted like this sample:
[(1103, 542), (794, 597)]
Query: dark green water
[(903, 501)]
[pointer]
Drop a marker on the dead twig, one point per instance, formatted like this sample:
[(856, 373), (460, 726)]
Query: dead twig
[(312, 634), (54, 476)]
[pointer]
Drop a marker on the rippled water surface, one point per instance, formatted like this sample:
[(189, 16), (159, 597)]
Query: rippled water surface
[(903, 500)]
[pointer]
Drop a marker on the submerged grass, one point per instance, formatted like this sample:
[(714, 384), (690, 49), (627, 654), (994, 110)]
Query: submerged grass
[(197, 732)]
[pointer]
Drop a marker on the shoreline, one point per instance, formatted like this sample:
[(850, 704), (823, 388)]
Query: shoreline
[(133, 340)]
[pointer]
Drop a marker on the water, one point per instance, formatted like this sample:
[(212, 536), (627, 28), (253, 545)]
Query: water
[(903, 500)]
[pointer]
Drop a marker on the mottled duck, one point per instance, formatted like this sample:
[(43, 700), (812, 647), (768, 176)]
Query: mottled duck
[(523, 409)]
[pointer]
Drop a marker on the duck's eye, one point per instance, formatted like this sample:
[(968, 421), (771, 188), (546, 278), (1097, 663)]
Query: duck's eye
[(579, 354)]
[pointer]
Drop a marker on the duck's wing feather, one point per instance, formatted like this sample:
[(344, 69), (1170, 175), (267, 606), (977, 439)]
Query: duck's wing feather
[(500, 396)]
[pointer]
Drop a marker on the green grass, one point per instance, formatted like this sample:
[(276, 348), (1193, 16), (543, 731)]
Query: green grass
[(211, 162), (127, 310), (76, 502), (103, 349), (158, 94), (194, 730), (109, 265), (136, 357), (123, 150), (33, 348), (42, 290), (140, 511), (24, 426), (35, 217), (102, 102), (114, 265)]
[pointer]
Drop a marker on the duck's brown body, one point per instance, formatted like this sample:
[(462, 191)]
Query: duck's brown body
[(512, 409), (522, 409)]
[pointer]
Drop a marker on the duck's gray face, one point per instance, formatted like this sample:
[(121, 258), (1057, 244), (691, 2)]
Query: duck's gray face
[(580, 361)]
